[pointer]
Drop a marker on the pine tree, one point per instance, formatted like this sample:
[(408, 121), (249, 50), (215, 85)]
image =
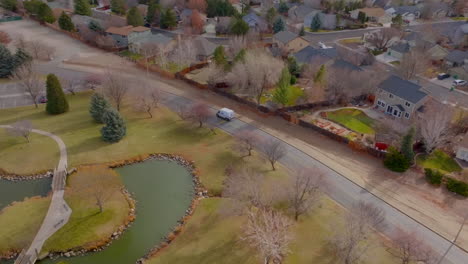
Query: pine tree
[(7, 64), (398, 20), (134, 17), (56, 101), (9, 4), (65, 22), (362, 17), (316, 24), (82, 7), (95, 26), (114, 129), (293, 66), (283, 7), (118, 6), (320, 76), (21, 57), (407, 145), (239, 27), (153, 6), (302, 31), (270, 15), (281, 95), (278, 25), (219, 56), (98, 107), (45, 14), (396, 161), (168, 19)]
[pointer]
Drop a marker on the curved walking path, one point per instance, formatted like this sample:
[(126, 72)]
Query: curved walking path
[(59, 212)]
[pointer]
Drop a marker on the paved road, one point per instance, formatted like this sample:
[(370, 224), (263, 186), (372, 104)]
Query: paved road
[(58, 213)]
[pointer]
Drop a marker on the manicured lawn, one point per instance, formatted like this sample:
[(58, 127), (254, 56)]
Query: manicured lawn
[(213, 237), (353, 119), (131, 55), (439, 160)]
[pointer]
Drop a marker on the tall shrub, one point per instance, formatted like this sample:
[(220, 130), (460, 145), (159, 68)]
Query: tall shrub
[(82, 7), (115, 128), (56, 101), (65, 22), (98, 107), (134, 17), (396, 161), (407, 145)]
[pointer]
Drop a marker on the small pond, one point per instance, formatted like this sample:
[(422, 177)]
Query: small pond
[(16, 191)]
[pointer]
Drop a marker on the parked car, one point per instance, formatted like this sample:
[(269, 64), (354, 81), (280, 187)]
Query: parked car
[(442, 76), (323, 46), (42, 99), (459, 82), (226, 114)]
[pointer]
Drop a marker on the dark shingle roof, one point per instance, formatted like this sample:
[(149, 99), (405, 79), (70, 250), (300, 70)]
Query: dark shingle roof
[(404, 89), (285, 36), (306, 54), (457, 56), (401, 47), (342, 64)]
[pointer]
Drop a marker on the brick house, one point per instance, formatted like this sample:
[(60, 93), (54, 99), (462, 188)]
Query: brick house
[(399, 98), (289, 41)]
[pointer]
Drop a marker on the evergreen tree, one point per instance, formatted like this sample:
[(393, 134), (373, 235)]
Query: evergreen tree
[(239, 27), (220, 8), (82, 7), (44, 13), (134, 17), (168, 19), (219, 56), (95, 26), (283, 7), (7, 62), (98, 107), (398, 20), (9, 4), (320, 76), (281, 95), (315, 24), (293, 66), (362, 17), (32, 6), (302, 32), (151, 14), (240, 56), (21, 57), (66, 23), (407, 145), (270, 15), (56, 101), (396, 161), (278, 25), (118, 6), (114, 129)]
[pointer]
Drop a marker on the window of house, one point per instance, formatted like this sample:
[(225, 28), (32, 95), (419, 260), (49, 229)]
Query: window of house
[(407, 104), (390, 95), (407, 115), (399, 114)]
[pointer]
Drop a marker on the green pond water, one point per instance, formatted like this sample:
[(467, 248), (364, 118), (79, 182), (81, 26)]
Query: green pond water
[(163, 190), (18, 191)]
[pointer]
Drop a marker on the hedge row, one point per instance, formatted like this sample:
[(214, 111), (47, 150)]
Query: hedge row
[(435, 177)]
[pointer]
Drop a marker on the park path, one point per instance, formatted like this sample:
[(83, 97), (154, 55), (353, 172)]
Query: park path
[(59, 212)]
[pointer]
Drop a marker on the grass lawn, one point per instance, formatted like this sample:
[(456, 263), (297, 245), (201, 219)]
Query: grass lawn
[(131, 55), (460, 18), (85, 227), (439, 160), (351, 40), (213, 237), (295, 92), (353, 119), (396, 63)]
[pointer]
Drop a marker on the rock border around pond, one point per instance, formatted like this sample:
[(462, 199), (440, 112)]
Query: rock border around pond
[(4, 175)]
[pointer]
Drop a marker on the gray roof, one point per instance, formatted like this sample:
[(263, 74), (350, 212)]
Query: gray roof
[(457, 56), (404, 89), (400, 107), (308, 53), (401, 10), (342, 64), (382, 3), (401, 47), (155, 38), (203, 46), (285, 36), (301, 11)]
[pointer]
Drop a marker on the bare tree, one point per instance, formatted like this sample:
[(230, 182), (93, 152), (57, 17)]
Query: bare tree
[(184, 112), (273, 150), (184, 52), (21, 128), (20, 42), (115, 87), (4, 38), (100, 183), (146, 98), (268, 232), (412, 64), (200, 113), (348, 242), (105, 42), (256, 74), (408, 247), (71, 86), (92, 81), (383, 38), (39, 50), (303, 191), (245, 141), (29, 81), (435, 124), (149, 50)]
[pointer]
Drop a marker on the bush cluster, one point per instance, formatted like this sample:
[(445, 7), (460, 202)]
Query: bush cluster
[(457, 187), (434, 177)]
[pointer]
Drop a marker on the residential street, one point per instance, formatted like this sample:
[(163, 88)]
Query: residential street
[(351, 176)]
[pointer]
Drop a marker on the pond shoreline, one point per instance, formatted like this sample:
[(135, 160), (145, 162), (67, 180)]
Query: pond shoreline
[(199, 192)]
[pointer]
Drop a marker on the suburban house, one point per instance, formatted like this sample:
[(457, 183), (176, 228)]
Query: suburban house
[(437, 52), (399, 98), (345, 65), (289, 41), (408, 13), (161, 41), (398, 50), (327, 21), (299, 12), (204, 48), (309, 54), (256, 22), (374, 14), (128, 34), (460, 36), (456, 58), (462, 149)]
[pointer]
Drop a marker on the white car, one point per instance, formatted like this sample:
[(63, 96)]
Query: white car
[(323, 46), (459, 82), (226, 114)]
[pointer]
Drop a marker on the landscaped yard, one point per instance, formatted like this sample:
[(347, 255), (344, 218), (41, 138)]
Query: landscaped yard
[(295, 92), (353, 119), (131, 55), (439, 160)]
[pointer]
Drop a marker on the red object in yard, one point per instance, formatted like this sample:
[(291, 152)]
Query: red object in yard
[(381, 146)]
